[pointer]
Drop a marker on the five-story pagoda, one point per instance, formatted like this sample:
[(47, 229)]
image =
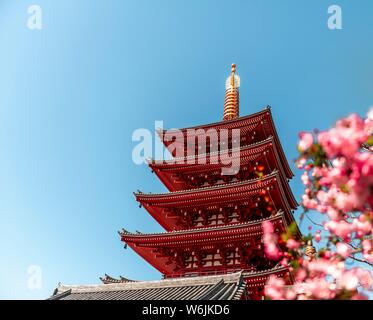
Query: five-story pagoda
[(213, 221), (214, 210)]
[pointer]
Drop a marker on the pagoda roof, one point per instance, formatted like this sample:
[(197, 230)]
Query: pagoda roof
[(165, 170), (146, 245), (219, 194), (262, 119), (259, 278), (249, 121), (229, 286)]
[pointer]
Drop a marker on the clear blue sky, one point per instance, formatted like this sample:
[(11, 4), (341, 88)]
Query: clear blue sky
[(72, 93)]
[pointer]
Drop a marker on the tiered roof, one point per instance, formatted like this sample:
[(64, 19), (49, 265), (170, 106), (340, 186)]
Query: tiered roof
[(147, 245), (258, 125), (157, 204), (169, 171)]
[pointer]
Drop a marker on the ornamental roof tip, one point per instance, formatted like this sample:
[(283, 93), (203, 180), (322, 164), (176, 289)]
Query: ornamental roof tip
[(123, 231), (108, 279), (274, 173), (276, 268)]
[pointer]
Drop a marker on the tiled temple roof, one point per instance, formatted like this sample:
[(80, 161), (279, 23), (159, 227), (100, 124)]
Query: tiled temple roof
[(217, 287), (222, 192), (230, 228), (245, 124)]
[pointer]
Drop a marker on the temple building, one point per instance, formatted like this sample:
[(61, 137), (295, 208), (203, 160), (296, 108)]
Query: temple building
[(212, 246)]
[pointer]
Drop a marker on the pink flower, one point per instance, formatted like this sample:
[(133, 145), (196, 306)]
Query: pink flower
[(318, 236), (292, 244), (306, 141), (365, 277), (306, 179), (343, 249), (362, 227), (274, 288), (301, 162), (346, 138), (284, 262), (341, 229), (290, 294), (267, 227), (338, 184), (271, 248), (320, 289), (308, 202), (301, 274), (367, 250), (349, 280)]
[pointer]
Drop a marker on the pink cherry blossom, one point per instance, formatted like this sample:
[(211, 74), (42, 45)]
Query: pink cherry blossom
[(292, 244), (306, 141), (338, 180), (367, 250), (343, 249), (349, 280), (268, 227), (271, 248), (275, 288), (317, 236), (305, 179)]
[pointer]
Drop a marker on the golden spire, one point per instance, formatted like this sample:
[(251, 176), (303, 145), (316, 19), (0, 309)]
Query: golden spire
[(231, 103), (310, 250)]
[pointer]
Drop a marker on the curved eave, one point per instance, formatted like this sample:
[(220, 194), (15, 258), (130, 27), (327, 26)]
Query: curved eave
[(165, 170), (156, 204), (192, 194), (259, 278), (145, 244), (290, 173)]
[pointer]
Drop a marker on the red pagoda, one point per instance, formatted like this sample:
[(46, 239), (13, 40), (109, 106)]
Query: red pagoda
[(213, 221)]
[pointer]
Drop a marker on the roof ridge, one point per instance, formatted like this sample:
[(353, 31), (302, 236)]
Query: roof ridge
[(246, 146), (253, 115), (204, 229), (221, 186), (137, 285)]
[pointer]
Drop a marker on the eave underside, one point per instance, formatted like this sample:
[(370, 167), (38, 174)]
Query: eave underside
[(158, 249)]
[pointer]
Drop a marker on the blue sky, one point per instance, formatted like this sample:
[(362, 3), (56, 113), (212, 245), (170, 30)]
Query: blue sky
[(72, 93)]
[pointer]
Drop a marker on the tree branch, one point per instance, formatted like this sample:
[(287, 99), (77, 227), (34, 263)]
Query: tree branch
[(315, 223), (360, 260)]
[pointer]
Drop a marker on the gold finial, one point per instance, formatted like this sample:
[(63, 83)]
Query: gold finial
[(310, 250), (233, 70), (231, 104)]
